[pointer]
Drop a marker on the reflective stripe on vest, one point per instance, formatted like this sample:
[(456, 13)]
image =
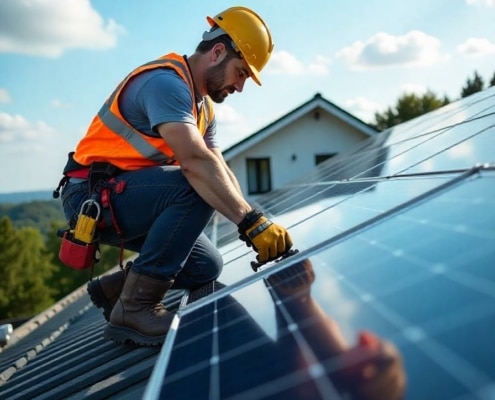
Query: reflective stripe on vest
[(111, 138), (130, 134)]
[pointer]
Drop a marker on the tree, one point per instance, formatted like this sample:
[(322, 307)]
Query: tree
[(492, 81), (25, 267), (409, 106), (473, 85)]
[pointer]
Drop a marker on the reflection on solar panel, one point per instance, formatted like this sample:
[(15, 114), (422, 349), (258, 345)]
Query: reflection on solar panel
[(396, 239), (394, 282)]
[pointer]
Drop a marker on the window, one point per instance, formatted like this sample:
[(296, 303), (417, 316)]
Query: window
[(259, 175), (319, 158)]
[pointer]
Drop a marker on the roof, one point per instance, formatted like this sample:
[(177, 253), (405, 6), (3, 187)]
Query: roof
[(317, 102), (401, 258)]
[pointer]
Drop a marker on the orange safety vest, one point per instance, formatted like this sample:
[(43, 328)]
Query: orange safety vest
[(111, 139)]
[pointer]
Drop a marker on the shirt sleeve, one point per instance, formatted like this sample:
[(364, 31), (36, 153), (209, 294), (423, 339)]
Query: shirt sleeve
[(155, 97), (211, 134)]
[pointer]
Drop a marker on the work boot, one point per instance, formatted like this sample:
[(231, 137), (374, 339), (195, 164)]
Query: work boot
[(105, 290), (139, 316)]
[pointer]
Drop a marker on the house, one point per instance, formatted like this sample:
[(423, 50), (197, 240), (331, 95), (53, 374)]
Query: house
[(292, 145), (392, 289)]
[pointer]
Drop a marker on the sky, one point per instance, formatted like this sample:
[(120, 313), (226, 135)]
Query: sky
[(60, 59)]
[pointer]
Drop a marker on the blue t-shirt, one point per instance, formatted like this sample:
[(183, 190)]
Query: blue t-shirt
[(157, 96)]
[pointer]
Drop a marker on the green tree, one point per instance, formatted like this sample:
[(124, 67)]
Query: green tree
[(492, 81), (25, 267), (409, 106), (473, 85)]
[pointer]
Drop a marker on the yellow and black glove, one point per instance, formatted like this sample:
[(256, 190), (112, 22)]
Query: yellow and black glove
[(269, 240)]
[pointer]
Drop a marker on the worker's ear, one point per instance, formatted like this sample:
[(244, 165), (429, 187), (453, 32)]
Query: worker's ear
[(217, 51)]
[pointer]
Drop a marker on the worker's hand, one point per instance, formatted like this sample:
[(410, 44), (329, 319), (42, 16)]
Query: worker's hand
[(294, 279), (269, 240), (377, 372)]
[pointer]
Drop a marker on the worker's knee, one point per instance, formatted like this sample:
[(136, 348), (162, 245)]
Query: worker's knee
[(197, 273)]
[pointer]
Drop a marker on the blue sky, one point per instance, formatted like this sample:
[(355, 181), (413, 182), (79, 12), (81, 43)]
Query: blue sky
[(60, 59)]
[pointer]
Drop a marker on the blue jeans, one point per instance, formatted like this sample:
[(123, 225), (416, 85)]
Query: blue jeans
[(162, 218)]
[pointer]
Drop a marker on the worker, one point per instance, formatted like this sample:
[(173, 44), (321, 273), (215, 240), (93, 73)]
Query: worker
[(153, 142)]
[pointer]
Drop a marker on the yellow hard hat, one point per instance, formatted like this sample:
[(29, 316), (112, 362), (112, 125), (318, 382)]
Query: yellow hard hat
[(249, 34)]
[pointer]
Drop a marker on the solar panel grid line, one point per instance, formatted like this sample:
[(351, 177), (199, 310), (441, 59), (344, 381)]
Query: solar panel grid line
[(443, 128), (334, 166), (273, 388), (472, 282), (289, 195), (463, 316), (486, 234), (331, 165), (247, 281), (466, 373), (215, 358), (463, 371), (414, 201), (220, 294), (315, 368), (448, 148), (309, 198), (441, 118), (297, 192), (443, 131), (396, 319), (398, 285), (339, 237)]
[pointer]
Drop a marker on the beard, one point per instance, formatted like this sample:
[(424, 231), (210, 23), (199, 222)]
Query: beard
[(215, 78)]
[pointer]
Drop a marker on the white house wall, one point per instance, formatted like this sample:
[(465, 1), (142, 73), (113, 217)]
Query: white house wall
[(304, 139)]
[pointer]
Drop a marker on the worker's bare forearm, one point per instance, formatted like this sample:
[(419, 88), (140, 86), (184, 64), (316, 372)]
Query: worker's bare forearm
[(214, 184), (206, 170), (231, 175)]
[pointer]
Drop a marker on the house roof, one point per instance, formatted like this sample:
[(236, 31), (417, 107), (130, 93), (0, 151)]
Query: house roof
[(399, 260), (316, 102)]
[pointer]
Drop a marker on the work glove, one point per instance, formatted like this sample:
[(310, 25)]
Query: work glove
[(269, 240)]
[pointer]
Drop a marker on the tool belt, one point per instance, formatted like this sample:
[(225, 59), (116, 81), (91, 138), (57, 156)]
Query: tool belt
[(80, 242)]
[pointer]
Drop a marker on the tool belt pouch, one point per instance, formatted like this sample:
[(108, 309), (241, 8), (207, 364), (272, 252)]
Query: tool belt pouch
[(79, 248), (76, 254)]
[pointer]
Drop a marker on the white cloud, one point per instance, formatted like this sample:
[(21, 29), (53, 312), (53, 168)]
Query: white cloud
[(412, 49), (47, 28), (319, 66), (4, 96), (362, 108), (56, 103), (231, 125), (19, 135), (285, 63), (227, 115), (476, 46), (488, 3), (282, 62), (413, 88)]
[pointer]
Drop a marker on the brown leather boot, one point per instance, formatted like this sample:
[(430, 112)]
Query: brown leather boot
[(139, 316), (105, 290)]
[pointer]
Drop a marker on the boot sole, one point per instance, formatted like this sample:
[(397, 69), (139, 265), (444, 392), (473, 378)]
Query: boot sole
[(97, 297), (123, 335)]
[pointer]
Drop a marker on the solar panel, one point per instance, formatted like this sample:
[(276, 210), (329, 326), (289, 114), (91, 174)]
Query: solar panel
[(391, 294), (397, 240)]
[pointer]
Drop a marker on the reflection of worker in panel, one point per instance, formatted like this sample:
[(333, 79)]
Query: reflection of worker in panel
[(309, 360), (372, 369)]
